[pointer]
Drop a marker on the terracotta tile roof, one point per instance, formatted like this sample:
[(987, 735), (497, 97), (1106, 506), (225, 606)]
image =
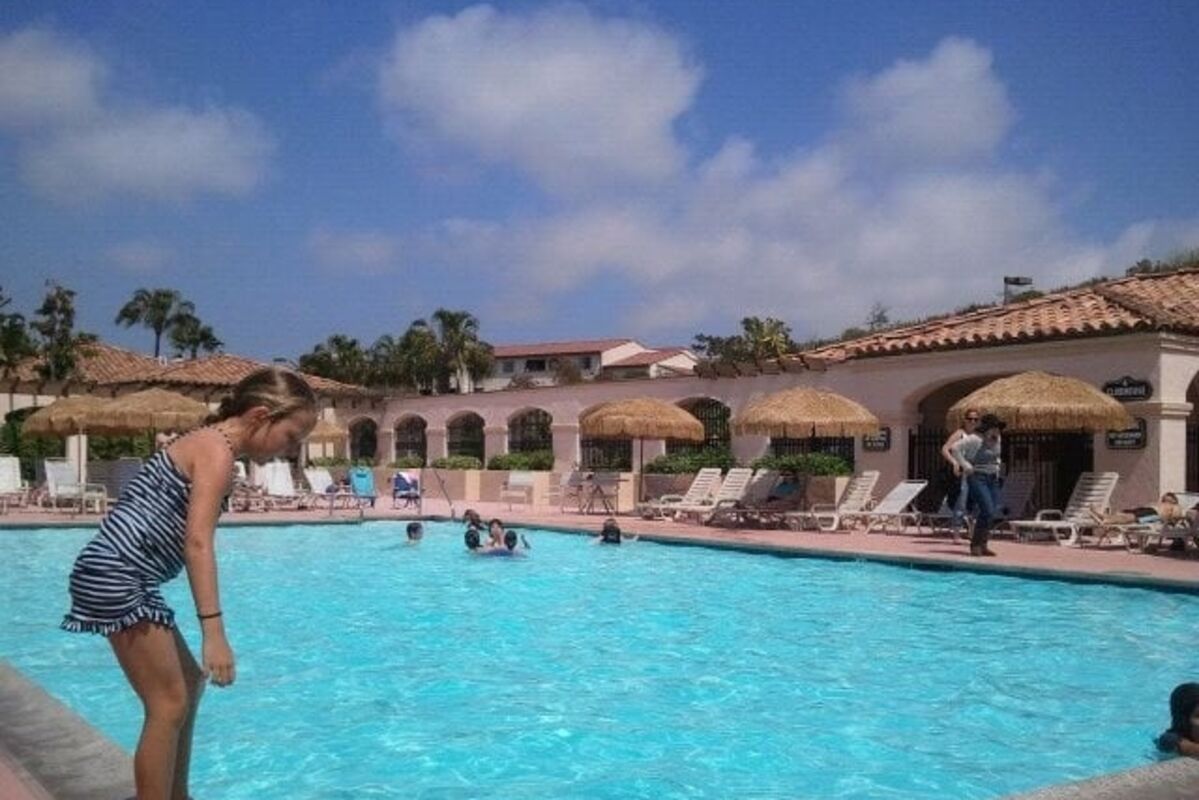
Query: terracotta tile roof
[(222, 369), (647, 358), (581, 347), (1161, 302), (96, 363)]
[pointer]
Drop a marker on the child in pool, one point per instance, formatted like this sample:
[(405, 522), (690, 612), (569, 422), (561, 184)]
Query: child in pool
[(415, 532), (166, 521), (1182, 737)]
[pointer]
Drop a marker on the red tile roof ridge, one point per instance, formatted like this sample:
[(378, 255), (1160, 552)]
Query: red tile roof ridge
[(558, 348)]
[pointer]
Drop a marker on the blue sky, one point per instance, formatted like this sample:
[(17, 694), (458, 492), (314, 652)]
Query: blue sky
[(650, 169)]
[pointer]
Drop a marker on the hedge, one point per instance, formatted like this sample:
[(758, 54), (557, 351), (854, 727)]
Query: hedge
[(408, 462), (683, 463), (536, 461), (806, 464), (457, 462)]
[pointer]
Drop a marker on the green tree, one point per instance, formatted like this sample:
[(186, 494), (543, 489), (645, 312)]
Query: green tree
[(759, 339), (566, 372), (157, 309), (420, 357), (189, 336), (878, 318), (15, 343), (58, 344), (338, 358), (465, 357)]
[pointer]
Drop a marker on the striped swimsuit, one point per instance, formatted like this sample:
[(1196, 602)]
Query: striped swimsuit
[(114, 584)]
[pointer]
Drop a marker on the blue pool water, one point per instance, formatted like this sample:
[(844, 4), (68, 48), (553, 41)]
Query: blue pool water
[(368, 668)]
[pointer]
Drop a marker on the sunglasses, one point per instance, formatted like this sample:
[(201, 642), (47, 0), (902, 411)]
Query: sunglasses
[(972, 419)]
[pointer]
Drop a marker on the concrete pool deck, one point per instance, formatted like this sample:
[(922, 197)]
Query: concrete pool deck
[(46, 751)]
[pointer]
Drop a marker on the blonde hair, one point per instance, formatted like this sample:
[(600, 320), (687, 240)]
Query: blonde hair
[(279, 391)]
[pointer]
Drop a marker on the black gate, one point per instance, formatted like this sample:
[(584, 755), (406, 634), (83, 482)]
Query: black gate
[(1192, 457), (1056, 459)]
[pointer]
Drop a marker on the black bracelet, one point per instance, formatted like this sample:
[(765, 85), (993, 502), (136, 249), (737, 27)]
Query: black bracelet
[(213, 615)]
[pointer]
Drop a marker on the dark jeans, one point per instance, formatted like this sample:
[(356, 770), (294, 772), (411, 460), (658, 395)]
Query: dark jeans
[(984, 494)]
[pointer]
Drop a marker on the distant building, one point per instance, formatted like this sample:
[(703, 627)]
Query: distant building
[(594, 358)]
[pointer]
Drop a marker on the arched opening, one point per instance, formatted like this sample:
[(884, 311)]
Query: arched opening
[(1055, 458), (410, 441), (364, 440), (1193, 437), (530, 431), (715, 417), (464, 436)]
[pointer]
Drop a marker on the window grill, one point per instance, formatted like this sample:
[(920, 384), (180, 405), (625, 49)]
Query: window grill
[(715, 417), (606, 454), (364, 440), (464, 436), (530, 431), (1192, 456), (410, 439)]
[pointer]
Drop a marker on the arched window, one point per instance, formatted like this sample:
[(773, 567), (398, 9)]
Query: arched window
[(606, 454), (530, 431), (364, 440), (715, 417), (410, 439), (464, 436)]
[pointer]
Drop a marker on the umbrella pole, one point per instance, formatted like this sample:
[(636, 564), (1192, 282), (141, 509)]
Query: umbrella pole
[(640, 470)]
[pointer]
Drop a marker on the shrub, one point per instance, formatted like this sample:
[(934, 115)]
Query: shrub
[(806, 464), (329, 461), (457, 462), (682, 463), (535, 460), (363, 462), (408, 462)]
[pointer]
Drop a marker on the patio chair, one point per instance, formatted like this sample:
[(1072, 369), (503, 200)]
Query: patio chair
[(518, 487), (894, 511), (405, 488), (63, 486), (752, 502), (731, 492), (362, 484), (857, 497), (567, 489), (324, 487), (280, 489), (1092, 495), (702, 486), (1015, 498), (604, 489), (13, 490)]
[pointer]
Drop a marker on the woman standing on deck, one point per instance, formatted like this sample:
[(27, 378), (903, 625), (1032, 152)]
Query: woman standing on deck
[(979, 458), (165, 520)]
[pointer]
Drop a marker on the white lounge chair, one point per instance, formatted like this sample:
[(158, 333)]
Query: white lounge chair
[(518, 488), (731, 492), (324, 488), (756, 494), (1092, 495), (1015, 499), (13, 490), (857, 497), (63, 486), (281, 492), (702, 486), (893, 512)]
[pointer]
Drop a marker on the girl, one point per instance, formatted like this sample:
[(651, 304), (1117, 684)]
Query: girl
[(165, 520), (1183, 735)]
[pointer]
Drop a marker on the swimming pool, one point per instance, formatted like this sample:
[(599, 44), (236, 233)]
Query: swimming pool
[(368, 668)]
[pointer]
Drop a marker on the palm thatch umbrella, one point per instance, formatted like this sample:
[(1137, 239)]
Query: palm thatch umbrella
[(641, 418), (803, 412), (1038, 401), (68, 416), (326, 431), (152, 409)]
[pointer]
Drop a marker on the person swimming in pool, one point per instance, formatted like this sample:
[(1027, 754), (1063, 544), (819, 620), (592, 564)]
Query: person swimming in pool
[(1182, 737), (472, 539), (610, 533), (415, 532)]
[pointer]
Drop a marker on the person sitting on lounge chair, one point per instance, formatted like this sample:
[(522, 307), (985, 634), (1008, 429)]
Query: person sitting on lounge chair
[(785, 494)]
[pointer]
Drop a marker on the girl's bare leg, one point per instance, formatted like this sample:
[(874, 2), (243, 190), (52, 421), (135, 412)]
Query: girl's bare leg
[(150, 658), (195, 689)]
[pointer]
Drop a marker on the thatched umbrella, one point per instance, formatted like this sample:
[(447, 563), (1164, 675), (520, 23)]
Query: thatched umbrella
[(1038, 401), (152, 409), (803, 412), (641, 418), (68, 416), (326, 431)]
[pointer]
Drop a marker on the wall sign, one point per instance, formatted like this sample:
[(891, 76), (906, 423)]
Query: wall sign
[(1128, 439), (1128, 389), (877, 442)]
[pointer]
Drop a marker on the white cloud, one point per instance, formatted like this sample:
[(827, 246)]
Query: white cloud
[(140, 256), (948, 107), (362, 252), (46, 80), (819, 236), (76, 144), (570, 99), (167, 153)]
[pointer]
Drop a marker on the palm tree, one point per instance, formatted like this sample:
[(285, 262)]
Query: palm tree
[(466, 357), (767, 338), (189, 336), (338, 358), (157, 309)]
